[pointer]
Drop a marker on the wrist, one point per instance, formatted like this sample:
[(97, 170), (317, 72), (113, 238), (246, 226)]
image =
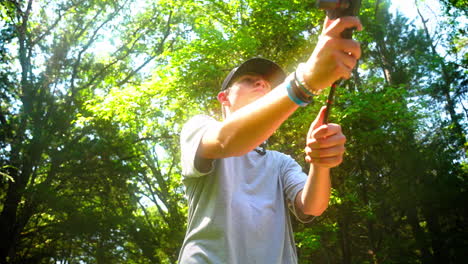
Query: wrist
[(319, 170), (296, 93), (303, 81)]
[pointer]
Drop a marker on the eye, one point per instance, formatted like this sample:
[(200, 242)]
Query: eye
[(251, 80), (246, 80)]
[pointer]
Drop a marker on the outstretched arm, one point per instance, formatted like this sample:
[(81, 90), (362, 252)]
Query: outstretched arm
[(332, 59), (248, 127)]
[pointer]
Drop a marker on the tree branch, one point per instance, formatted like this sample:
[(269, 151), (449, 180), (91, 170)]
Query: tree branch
[(159, 50), (119, 58), (91, 41), (145, 212), (51, 27)]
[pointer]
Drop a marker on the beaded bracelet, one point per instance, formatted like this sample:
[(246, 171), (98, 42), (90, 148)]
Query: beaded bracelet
[(302, 85), (299, 76), (295, 94)]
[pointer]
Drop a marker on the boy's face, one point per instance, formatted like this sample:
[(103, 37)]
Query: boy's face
[(244, 91)]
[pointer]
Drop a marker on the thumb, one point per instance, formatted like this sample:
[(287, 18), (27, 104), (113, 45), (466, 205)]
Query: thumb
[(326, 24), (318, 120)]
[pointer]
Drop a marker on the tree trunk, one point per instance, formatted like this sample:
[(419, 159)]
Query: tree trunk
[(450, 104), (344, 237), (419, 235), (437, 239), (21, 165)]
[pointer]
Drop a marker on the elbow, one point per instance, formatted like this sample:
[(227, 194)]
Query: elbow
[(315, 211), (233, 142), (233, 151), (230, 147), (225, 149)]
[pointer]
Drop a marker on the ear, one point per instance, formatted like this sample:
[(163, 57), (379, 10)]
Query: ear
[(223, 99)]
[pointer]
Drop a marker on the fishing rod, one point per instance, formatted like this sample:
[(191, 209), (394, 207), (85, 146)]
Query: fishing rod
[(336, 9)]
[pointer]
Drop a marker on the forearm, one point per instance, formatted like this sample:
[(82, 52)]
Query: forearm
[(316, 193), (249, 126)]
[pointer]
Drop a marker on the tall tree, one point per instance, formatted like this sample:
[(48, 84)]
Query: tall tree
[(63, 171), (94, 94), (450, 84)]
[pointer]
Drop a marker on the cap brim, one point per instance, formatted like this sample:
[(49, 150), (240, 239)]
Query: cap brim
[(268, 69)]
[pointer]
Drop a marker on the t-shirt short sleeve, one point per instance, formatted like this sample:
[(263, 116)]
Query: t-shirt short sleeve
[(190, 138), (293, 179)]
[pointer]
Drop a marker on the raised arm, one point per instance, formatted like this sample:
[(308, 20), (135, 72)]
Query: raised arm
[(325, 142), (246, 128)]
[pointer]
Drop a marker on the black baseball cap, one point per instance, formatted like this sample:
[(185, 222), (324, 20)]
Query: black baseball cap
[(268, 69)]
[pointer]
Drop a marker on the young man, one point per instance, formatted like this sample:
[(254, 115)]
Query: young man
[(239, 198)]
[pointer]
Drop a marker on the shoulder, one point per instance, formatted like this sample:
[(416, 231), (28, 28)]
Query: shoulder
[(279, 156), (197, 123), (190, 138), (198, 120)]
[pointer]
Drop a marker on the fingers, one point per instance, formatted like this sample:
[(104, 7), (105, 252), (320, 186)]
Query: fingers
[(336, 150), (329, 157), (345, 54), (349, 47), (318, 120), (325, 146), (326, 141), (347, 60), (332, 59), (325, 162), (333, 28), (325, 131), (343, 70), (346, 51), (345, 65)]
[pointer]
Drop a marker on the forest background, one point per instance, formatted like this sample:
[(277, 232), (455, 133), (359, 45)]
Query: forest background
[(94, 94)]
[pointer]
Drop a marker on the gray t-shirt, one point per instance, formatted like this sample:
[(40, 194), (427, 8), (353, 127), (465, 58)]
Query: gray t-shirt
[(238, 211)]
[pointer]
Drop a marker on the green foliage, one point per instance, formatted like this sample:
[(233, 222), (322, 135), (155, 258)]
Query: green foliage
[(94, 94)]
